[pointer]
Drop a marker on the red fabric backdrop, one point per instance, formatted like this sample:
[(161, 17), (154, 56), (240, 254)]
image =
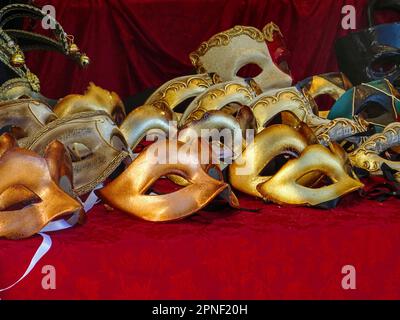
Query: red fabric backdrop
[(137, 44), (278, 253)]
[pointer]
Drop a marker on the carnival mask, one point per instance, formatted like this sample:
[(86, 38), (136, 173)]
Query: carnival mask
[(24, 117), (96, 145), (30, 196), (373, 53), (128, 191), (228, 52), (378, 150), (261, 158), (94, 99), (284, 187), (218, 96), (376, 102)]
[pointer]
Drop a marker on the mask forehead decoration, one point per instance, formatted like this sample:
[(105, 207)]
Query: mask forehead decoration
[(128, 191), (315, 158), (227, 52), (269, 104), (94, 99), (376, 102), (370, 155), (24, 117), (178, 90), (217, 97), (96, 145), (30, 197)]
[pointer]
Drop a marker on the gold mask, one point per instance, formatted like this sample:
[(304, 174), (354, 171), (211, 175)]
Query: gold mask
[(276, 140), (267, 105), (24, 117), (217, 97), (94, 99), (96, 145), (29, 196), (369, 155), (143, 119), (128, 191), (178, 90), (284, 187)]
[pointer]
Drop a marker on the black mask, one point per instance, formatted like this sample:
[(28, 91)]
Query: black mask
[(373, 53)]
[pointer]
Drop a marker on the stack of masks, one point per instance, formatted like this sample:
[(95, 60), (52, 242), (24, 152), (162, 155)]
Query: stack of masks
[(215, 132)]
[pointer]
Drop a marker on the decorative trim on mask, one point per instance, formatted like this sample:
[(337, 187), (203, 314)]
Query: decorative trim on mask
[(216, 97), (367, 156), (175, 91), (223, 39)]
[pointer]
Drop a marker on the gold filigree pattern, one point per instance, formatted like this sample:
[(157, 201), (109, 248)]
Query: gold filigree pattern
[(225, 37), (269, 31), (367, 156), (216, 98), (340, 129), (286, 100), (168, 95)]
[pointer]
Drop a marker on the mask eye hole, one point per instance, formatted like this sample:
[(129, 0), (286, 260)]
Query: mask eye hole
[(118, 116), (250, 70), (376, 112), (182, 106), (324, 102), (79, 152), (384, 65), (278, 162), (17, 197), (16, 132), (315, 180)]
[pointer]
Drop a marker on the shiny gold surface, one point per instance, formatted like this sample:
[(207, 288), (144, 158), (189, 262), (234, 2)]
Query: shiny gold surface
[(94, 99), (283, 187), (29, 197), (244, 173), (128, 191), (144, 119)]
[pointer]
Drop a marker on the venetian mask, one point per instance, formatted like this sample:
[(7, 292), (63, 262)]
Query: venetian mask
[(128, 192), (229, 52), (96, 145)]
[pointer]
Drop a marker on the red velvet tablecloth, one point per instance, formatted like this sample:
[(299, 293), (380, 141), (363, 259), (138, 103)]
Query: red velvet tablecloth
[(277, 253)]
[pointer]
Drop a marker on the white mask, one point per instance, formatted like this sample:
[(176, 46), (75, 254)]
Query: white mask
[(227, 52)]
